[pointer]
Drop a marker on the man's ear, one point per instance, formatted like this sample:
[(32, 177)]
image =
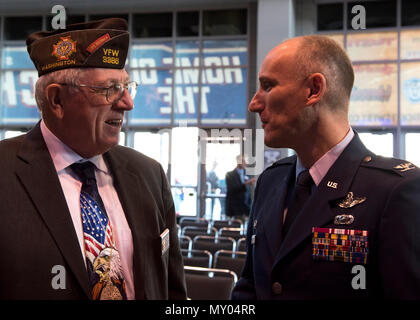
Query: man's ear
[(317, 87), (54, 94)]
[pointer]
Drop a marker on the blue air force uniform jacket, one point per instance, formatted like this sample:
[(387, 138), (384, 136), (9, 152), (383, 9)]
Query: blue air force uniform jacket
[(384, 205)]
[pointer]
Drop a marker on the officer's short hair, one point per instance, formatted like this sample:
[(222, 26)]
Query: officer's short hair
[(322, 54)]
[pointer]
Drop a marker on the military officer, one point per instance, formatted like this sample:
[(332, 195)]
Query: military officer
[(336, 220)]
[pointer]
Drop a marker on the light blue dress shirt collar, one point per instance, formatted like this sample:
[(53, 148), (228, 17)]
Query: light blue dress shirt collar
[(320, 168)]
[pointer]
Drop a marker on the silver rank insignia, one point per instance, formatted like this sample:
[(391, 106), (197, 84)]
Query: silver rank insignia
[(405, 166), (351, 201), (343, 219)]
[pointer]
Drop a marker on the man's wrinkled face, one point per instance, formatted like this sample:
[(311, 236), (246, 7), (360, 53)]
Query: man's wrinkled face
[(91, 125), (281, 96)]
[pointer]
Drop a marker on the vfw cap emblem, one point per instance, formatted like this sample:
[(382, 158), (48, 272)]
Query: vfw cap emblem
[(64, 48)]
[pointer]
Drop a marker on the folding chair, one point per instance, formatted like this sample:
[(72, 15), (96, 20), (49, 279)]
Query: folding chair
[(185, 242), (194, 222), (197, 258), (191, 231), (231, 260), (241, 244), (230, 223), (213, 243), (234, 233), (209, 283)]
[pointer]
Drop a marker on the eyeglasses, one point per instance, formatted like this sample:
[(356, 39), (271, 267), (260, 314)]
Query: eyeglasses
[(112, 93)]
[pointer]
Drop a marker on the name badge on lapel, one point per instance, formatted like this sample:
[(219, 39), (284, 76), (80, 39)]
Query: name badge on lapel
[(164, 238), (344, 245)]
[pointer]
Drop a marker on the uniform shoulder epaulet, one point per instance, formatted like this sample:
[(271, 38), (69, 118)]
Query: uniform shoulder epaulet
[(398, 166)]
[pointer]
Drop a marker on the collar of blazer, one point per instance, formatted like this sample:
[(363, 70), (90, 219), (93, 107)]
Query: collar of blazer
[(37, 174)]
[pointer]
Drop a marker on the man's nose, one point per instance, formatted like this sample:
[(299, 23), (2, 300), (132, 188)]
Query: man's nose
[(256, 104), (126, 102)]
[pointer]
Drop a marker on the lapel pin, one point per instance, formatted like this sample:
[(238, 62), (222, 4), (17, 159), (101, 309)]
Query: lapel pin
[(332, 184), (351, 201), (405, 166), (344, 219)]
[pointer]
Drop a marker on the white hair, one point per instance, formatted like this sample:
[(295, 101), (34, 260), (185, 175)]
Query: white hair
[(70, 76)]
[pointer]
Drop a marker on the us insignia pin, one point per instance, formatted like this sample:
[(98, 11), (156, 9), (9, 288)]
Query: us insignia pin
[(343, 219), (405, 166), (351, 201)]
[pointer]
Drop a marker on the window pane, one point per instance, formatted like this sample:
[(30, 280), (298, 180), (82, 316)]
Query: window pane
[(379, 14), (224, 89), (18, 28), (187, 54), (374, 97), (186, 96), (410, 13), (152, 54), (372, 46), (185, 200), (382, 144), (152, 25), (14, 57), (187, 24), (220, 158), (184, 156), (11, 134), (17, 97), (412, 150), (410, 44), (153, 145), (217, 53), (184, 170), (153, 102), (121, 141), (224, 97), (330, 16), (225, 22), (410, 93)]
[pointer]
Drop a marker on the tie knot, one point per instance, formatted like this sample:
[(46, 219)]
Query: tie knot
[(304, 179), (84, 170)]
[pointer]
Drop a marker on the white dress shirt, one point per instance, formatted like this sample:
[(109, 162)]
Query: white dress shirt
[(63, 157)]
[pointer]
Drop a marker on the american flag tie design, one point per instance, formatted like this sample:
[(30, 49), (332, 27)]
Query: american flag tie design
[(103, 262)]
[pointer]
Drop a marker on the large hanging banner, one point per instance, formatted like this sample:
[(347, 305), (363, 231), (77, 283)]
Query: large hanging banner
[(17, 88), (176, 82), (410, 44), (373, 101), (372, 46), (410, 93)]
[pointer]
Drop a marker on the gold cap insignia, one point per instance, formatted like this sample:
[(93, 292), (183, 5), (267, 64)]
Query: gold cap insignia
[(64, 48), (351, 201)]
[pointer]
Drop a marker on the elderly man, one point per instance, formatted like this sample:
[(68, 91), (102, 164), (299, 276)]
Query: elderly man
[(335, 221), (81, 217)]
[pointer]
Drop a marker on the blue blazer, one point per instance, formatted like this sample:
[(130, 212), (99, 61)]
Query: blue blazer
[(279, 268)]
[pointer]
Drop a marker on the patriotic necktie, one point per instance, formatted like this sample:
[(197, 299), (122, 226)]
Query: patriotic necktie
[(301, 193), (102, 258)]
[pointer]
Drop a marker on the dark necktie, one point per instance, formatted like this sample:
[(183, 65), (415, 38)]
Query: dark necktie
[(302, 192), (102, 258)]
